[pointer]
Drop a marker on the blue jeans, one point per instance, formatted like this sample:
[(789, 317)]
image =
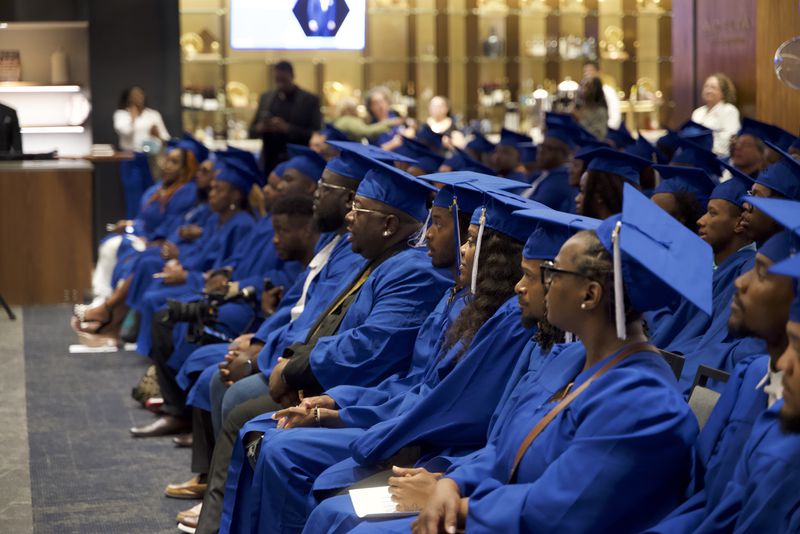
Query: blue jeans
[(224, 399)]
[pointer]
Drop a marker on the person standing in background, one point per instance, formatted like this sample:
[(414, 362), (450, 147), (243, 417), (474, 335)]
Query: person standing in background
[(718, 111), (591, 69), (140, 130), (592, 111), (10, 137), (286, 114)]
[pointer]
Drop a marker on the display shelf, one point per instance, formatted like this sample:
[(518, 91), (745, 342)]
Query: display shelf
[(31, 87)]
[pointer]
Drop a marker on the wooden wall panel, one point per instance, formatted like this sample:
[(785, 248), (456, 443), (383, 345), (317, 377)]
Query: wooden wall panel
[(777, 21), (683, 62), (726, 34), (45, 236)]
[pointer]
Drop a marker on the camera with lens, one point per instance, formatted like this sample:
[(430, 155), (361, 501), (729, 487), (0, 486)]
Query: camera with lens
[(202, 314)]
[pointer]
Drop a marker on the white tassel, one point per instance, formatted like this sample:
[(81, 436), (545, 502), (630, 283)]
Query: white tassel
[(619, 295), (478, 242), (421, 240)]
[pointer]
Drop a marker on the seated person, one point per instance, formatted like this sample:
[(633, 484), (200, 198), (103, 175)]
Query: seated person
[(607, 171)]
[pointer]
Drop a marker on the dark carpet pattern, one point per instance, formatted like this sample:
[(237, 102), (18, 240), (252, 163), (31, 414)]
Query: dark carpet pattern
[(87, 474)]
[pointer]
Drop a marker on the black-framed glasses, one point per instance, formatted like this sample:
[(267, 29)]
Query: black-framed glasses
[(548, 269)]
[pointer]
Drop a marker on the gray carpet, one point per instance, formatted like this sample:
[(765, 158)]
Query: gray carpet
[(87, 473)]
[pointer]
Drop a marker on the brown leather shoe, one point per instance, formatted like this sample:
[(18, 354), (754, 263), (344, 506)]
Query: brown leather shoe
[(163, 426), (191, 489), (183, 440)]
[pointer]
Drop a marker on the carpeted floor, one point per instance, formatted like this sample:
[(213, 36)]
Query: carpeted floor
[(87, 474)]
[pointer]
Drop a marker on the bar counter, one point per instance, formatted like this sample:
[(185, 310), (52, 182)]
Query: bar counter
[(45, 231)]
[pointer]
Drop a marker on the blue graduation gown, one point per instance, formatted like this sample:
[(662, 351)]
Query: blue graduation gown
[(427, 415), (764, 493), (554, 190), (375, 337), (278, 331), (720, 444), (213, 254), (682, 330), (616, 459), (336, 514), (156, 221)]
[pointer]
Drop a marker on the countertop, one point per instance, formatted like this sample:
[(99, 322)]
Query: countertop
[(45, 165)]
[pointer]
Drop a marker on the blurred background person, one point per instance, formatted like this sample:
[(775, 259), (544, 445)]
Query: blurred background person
[(718, 111)]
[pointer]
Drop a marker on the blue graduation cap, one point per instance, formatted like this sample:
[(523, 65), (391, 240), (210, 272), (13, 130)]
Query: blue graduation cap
[(694, 155), (461, 161), (779, 247), (645, 150), (464, 191), (621, 137), (280, 168), (233, 171), (685, 179), (333, 133), (669, 141), (558, 127), (391, 186), (429, 138), (783, 176), (697, 134), (552, 229), (512, 138), (659, 259), (733, 191), (738, 176), (795, 144), (306, 161), (789, 267), (357, 156), (607, 159), (767, 132), (497, 214), (248, 159), (340, 166), (527, 152), (425, 158), (784, 212), (189, 143), (480, 144)]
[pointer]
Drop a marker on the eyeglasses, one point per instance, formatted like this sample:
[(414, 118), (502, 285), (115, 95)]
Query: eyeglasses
[(358, 209), (548, 269), (334, 187)]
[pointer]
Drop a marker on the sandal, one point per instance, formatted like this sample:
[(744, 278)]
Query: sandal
[(93, 326)]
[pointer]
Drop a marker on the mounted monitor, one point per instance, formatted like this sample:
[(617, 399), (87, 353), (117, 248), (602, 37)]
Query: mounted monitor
[(298, 24)]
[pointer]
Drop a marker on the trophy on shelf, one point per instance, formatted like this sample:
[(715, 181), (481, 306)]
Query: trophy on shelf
[(612, 46), (10, 66)]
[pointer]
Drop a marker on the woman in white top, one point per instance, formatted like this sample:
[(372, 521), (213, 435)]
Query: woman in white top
[(140, 130), (719, 112)]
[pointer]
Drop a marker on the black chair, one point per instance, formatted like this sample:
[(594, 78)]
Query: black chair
[(675, 361), (702, 398)]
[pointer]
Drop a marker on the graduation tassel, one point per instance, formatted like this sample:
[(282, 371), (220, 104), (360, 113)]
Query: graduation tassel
[(619, 295), (478, 242), (420, 242), (457, 236), (569, 337)]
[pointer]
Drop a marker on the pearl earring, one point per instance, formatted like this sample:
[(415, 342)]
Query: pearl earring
[(583, 306), (232, 206), (386, 233)]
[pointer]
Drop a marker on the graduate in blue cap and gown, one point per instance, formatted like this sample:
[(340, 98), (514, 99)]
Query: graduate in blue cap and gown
[(471, 370), (528, 154), (384, 307), (611, 451), (182, 277), (779, 180), (505, 159), (461, 161), (552, 229), (425, 160), (621, 138), (748, 151), (607, 170), (551, 187), (761, 309), (762, 495)]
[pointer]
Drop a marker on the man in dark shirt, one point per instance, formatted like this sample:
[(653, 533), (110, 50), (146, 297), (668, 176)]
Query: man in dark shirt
[(10, 138), (287, 114)]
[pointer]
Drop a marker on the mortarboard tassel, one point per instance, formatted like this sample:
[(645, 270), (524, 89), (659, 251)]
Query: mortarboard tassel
[(619, 295), (478, 242), (420, 242), (456, 235)]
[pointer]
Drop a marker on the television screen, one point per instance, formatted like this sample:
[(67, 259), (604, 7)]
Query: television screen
[(298, 24)]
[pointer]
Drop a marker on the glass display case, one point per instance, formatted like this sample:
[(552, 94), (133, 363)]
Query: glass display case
[(498, 61)]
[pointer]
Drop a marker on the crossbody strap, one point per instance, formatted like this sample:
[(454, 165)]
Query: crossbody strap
[(548, 418)]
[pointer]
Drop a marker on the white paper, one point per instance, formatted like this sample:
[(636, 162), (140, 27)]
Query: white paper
[(375, 502)]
